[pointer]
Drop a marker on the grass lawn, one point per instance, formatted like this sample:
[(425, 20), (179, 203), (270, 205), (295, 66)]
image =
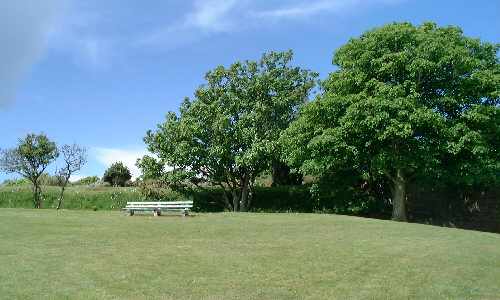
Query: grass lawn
[(107, 255)]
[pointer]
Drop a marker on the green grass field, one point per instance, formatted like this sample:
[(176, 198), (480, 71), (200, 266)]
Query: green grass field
[(107, 255)]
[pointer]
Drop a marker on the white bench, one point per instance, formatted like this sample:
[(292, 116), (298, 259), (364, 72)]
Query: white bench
[(158, 207)]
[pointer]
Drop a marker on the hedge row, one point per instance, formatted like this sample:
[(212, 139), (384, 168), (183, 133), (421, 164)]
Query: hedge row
[(264, 199), (277, 199)]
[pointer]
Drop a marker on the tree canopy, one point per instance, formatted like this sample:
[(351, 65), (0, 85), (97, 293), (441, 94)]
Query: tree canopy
[(30, 159), (228, 134), (406, 102), (117, 174)]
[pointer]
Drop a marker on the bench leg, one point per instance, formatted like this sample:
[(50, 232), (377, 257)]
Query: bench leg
[(185, 213), (130, 213), (157, 212)]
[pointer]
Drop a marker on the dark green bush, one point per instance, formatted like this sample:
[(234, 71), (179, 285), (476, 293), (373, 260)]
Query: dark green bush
[(154, 190), (282, 199), (349, 192), (117, 174), (264, 199), (208, 200)]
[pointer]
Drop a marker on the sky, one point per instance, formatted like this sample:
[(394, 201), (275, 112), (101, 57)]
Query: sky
[(102, 73)]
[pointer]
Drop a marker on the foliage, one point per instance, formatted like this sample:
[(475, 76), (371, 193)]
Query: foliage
[(117, 174), (17, 181), (228, 134), (87, 180), (155, 190), (152, 169), (347, 192), (406, 102), (47, 179), (30, 159)]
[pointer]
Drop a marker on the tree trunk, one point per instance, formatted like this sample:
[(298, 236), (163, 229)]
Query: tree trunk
[(244, 194), (225, 197), (236, 201), (399, 197), (37, 200), (59, 204), (35, 195)]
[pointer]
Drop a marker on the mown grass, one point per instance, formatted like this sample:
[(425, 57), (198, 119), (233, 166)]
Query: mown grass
[(106, 255)]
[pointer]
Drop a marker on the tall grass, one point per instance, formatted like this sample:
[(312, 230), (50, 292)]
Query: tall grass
[(75, 197)]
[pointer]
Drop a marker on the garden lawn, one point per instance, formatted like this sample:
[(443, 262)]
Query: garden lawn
[(107, 255)]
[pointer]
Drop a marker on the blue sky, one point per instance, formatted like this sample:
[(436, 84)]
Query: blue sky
[(101, 73)]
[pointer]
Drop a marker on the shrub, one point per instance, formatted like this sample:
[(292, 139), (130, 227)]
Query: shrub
[(87, 180), (14, 182), (117, 175), (49, 180), (264, 199), (154, 190)]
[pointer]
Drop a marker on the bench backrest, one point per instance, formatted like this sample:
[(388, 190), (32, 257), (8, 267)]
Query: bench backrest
[(164, 204)]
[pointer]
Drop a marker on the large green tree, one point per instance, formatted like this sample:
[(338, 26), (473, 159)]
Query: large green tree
[(406, 102), (228, 134), (30, 159)]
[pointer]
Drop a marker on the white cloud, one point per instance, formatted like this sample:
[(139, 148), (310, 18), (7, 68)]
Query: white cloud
[(209, 17), (24, 29), (303, 9), (76, 177), (108, 156)]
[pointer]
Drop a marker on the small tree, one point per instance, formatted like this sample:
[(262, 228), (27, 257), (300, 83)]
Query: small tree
[(117, 175), (74, 157), (30, 159)]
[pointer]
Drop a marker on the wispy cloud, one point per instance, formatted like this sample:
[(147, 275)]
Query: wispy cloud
[(302, 9), (209, 17), (79, 36), (206, 17), (108, 156), (24, 29)]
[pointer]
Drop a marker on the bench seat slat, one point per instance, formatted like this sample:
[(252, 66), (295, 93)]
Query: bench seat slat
[(159, 206), (183, 205), (160, 203)]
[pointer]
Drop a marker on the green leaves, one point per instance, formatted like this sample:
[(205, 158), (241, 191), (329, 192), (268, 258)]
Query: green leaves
[(229, 132), (30, 159), (31, 156), (422, 100), (117, 174)]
